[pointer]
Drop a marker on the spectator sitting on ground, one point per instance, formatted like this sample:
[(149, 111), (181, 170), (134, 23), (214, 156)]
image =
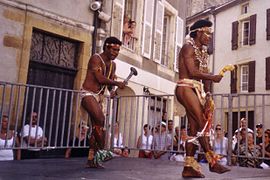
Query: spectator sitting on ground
[(267, 149), (117, 140), (179, 141), (259, 134), (161, 142), (7, 139), (33, 138), (250, 151), (81, 140), (170, 128), (220, 144), (125, 152), (144, 143)]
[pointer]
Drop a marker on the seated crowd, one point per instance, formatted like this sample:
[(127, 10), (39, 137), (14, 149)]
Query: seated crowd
[(162, 141)]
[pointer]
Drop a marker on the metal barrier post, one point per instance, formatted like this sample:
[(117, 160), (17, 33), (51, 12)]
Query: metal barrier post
[(230, 129)]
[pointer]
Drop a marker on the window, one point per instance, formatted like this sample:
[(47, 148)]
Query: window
[(268, 24), (129, 25), (245, 33), (267, 74), (130, 7), (244, 9), (244, 78), (165, 40), (157, 105)]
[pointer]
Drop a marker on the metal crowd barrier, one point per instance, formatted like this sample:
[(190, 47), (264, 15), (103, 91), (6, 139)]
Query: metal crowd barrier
[(60, 117)]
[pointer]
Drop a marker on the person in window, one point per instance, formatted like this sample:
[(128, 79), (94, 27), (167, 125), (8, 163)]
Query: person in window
[(100, 74), (129, 27), (81, 140), (194, 80)]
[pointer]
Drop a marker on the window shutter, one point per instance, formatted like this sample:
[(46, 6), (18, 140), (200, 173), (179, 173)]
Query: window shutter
[(235, 35), (178, 40), (267, 75), (251, 76), (234, 80), (158, 31), (252, 32), (268, 24), (147, 28), (117, 19)]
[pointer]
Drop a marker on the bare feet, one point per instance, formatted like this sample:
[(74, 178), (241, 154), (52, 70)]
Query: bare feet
[(189, 172), (92, 164), (218, 168)]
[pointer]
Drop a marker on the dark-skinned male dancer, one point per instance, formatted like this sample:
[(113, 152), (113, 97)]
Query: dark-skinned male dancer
[(194, 81)]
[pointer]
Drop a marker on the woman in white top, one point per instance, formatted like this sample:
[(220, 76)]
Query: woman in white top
[(144, 143), (117, 140), (220, 144), (7, 141)]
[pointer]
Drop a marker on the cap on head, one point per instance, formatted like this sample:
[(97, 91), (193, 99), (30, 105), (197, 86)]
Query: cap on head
[(199, 25), (259, 125), (111, 41)]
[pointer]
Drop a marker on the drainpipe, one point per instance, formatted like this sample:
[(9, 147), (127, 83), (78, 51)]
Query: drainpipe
[(214, 41), (94, 36)]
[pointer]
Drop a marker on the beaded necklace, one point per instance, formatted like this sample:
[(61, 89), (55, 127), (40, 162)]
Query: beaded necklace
[(201, 55)]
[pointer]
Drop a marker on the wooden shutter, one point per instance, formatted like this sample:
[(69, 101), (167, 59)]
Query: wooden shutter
[(252, 32), (178, 40), (158, 31), (268, 24), (147, 28), (251, 76), (234, 80), (267, 73), (235, 35), (117, 19)]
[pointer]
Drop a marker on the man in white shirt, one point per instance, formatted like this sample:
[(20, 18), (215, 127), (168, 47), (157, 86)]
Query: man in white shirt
[(243, 124), (33, 138)]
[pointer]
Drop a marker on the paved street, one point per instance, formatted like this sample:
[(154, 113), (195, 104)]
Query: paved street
[(116, 169)]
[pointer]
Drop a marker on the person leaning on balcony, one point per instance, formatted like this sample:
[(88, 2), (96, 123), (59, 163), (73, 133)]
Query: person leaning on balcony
[(194, 81), (33, 138), (7, 139), (128, 30), (144, 143), (100, 74)]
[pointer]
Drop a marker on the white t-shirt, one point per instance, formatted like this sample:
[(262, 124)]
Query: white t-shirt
[(118, 141), (33, 130), (6, 154), (147, 142)]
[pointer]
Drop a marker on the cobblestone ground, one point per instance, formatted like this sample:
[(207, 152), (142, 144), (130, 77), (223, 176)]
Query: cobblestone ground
[(116, 169)]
